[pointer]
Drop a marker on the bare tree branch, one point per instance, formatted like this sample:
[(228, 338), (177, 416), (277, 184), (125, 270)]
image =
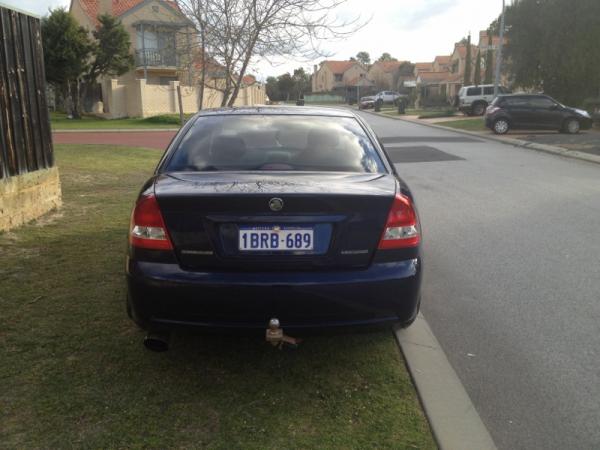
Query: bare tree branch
[(232, 34)]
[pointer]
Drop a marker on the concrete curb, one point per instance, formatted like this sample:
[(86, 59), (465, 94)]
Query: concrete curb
[(117, 130), (507, 141), (454, 421)]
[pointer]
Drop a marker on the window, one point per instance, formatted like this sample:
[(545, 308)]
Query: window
[(473, 91), (515, 102), (154, 38), (339, 77), (489, 90), (541, 102), (276, 142)]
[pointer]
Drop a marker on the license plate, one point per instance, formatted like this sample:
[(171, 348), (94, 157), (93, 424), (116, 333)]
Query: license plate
[(256, 239)]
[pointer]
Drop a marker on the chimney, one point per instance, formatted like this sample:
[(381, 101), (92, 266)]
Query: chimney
[(105, 7), (315, 68)]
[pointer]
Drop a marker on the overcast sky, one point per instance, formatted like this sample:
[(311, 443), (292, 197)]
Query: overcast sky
[(415, 30)]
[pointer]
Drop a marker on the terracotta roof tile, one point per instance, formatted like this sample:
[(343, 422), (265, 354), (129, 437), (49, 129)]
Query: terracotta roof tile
[(119, 7), (443, 59), (389, 66), (339, 67), (462, 50), (424, 66), (483, 39), (248, 80)]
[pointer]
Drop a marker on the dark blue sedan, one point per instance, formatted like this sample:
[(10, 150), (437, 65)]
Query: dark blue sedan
[(254, 214)]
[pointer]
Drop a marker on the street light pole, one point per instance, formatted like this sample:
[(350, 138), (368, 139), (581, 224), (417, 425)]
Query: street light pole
[(499, 55)]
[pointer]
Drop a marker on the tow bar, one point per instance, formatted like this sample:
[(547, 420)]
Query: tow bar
[(277, 338)]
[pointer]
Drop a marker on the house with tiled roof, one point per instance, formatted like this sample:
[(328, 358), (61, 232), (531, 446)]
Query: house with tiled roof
[(385, 74), (484, 41), (340, 78), (442, 63), (423, 67), (164, 58), (458, 60)]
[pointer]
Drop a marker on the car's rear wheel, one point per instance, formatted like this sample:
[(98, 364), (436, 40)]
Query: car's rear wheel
[(479, 108), (572, 126), (501, 126)]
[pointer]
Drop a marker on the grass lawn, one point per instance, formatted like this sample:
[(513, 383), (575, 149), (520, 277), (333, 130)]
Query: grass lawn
[(474, 124), (74, 372), (59, 121)]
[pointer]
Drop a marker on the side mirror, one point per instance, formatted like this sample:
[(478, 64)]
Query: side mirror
[(554, 107)]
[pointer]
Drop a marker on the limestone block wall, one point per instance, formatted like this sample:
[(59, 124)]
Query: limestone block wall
[(28, 196)]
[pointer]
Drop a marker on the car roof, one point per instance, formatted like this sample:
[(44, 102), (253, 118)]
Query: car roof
[(479, 85), (278, 110), (523, 95)]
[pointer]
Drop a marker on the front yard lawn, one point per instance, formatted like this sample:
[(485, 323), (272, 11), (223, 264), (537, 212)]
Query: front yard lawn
[(59, 121), (74, 372), (474, 124)]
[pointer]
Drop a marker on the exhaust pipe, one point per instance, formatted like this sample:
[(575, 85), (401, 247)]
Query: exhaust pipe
[(157, 341)]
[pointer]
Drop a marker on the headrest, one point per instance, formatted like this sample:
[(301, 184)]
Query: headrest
[(228, 148), (322, 139)]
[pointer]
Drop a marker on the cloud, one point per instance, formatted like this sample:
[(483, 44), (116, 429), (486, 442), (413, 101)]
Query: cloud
[(39, 7), (413, 18)]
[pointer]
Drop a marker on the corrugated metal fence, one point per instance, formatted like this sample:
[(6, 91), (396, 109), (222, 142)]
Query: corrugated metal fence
[(25, 139)]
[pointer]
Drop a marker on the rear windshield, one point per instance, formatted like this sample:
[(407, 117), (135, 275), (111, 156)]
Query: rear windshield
[(276, 142)]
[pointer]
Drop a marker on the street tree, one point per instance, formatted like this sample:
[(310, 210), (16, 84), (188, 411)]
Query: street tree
[(552, 45), (238, 32), (385, 57), (286, 85), (272, 89), (363, 58), (489, 61), (477, 75), (468, 62), (110, 53), (67, 48), (302, 82)]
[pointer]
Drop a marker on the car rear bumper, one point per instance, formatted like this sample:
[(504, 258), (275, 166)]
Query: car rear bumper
[(165, 296)]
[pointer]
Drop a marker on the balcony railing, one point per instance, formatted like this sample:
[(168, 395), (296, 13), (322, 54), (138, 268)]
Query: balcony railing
[(156, 58)]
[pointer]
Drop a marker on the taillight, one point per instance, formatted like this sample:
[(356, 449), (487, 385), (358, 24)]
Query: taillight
[(147, 228), (401, 229)]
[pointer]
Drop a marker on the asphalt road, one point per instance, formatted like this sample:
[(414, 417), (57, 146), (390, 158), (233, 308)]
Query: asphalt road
[(512, 279)]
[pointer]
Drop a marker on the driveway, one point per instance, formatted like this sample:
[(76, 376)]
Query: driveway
[(512, 280), (149, 138)]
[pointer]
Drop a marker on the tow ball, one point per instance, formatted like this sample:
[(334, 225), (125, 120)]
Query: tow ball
[(277, 338)]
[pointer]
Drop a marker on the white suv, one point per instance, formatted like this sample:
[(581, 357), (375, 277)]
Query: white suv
[(387, 96), (473, 100)]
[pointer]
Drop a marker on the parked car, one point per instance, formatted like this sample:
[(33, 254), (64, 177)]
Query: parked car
[(473, 100), (534, 112), (273, 213), (388, 97), (366, 102)]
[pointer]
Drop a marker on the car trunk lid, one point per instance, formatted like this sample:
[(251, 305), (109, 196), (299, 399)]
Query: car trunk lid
[(206, 214)]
